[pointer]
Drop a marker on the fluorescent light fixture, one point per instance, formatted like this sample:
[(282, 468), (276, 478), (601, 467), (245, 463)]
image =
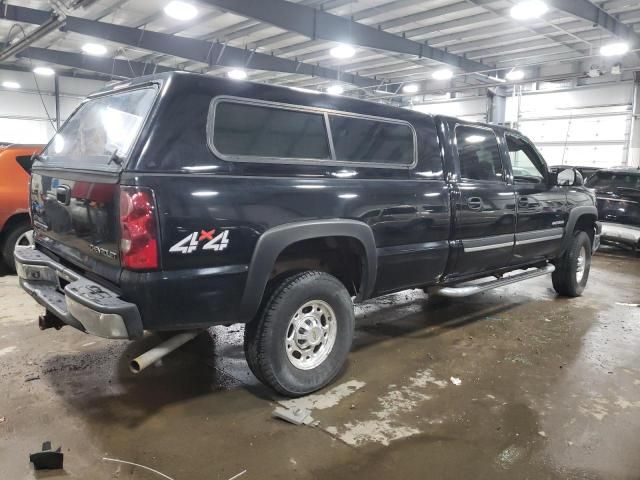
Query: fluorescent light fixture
[(411, 88), (181, 10), (342, 51), (381, 92), (44, 71), (474, 139), (237, 74), (95, 49), (613, 49), (335, 90), (515, 75), (348, 196), (10, 84), (528, 9), (442, 74)]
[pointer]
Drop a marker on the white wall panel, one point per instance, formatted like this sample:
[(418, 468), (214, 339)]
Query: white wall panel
[(23, 118)]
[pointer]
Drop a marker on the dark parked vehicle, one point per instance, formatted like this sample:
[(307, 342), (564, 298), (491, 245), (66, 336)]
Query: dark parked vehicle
[(180, 201), (618, 196)]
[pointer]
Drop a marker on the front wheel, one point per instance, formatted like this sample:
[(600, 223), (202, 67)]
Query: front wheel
[(303, 334), (572, 269)]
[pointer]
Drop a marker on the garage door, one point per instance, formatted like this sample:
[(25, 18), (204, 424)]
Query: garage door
[(585, 126)]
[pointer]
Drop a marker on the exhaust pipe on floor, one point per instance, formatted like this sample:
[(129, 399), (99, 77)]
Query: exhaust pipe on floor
[(151, 356)]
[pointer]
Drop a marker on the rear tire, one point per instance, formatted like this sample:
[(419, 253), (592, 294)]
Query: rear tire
[(572, 269), (301, 338), (20, 234)]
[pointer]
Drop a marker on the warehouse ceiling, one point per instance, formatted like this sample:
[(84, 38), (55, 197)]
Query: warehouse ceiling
[(392, 48)]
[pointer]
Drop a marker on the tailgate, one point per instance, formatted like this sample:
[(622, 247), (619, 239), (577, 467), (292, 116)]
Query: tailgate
[(77, 219)]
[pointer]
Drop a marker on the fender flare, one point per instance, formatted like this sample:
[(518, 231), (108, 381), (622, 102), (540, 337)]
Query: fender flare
[(574, 216), (272, 242)]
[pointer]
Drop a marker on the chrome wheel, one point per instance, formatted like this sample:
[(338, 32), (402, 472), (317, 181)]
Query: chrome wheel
[(25, 240), (311, 335), (581, 264)]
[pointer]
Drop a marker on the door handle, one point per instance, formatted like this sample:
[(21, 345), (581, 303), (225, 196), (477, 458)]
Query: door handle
[(474, 203), (523, 202), (63, 194)]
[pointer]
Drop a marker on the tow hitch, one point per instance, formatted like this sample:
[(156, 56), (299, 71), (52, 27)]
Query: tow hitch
[(49, 320)]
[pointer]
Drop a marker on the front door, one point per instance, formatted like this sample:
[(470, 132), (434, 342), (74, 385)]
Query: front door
[(540, 206), (484, 223)]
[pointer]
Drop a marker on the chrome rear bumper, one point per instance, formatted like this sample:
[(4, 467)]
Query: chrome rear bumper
[(81, 303)]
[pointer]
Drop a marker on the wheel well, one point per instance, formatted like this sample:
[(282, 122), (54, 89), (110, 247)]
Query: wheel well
[(586, 223), (342, 257), (13, 221)]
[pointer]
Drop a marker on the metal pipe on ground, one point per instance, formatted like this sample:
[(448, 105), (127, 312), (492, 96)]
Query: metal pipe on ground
[(151, 356)]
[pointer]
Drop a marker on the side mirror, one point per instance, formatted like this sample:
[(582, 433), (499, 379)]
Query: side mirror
[(566, 177)]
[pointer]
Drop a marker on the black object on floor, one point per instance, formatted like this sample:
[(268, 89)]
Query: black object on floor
[(47, 459)]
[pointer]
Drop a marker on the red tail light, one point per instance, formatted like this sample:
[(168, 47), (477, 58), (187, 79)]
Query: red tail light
[(138, 229)]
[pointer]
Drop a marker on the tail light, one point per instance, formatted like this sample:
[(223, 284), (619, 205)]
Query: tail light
[(138, 229)]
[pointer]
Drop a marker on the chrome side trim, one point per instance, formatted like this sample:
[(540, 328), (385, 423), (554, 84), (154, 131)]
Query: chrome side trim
[(539, 239), (488, 247)]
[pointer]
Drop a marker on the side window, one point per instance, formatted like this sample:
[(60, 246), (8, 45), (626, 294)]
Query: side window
[(525, 163), (478, 153), (371, 141), (263, 131)]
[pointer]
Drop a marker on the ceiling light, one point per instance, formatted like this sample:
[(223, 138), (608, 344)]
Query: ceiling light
[(515, 75), (411, 88), (44, 71), (443, 74), (335, 90), (181, 10), (12, 85), (613, 49), (237, 74), (94, 49), (528, 9), (342, 51)]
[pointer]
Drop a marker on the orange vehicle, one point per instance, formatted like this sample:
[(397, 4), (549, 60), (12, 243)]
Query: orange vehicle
[(15, 224)]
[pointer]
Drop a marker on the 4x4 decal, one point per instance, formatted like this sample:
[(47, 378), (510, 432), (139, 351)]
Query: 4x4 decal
[(191, 242)]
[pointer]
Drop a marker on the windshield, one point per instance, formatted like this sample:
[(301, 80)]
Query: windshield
[(610, 181), (100, 134)]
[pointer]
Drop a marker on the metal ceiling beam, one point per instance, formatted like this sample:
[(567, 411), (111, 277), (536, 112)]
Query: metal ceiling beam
[(590, 12), (316, 24), (192, 49), (110, 67)]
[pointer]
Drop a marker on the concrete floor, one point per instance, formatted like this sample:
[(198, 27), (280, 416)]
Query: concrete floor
[(549, 388)]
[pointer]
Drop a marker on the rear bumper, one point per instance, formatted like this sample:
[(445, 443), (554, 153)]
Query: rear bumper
[(621, 233), (82, 303)]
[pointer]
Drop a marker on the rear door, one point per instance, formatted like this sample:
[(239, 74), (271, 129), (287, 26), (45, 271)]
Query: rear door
[(484, 223), (74, 187), (541, 207)]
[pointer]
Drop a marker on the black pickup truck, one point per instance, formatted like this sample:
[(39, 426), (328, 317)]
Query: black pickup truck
[(180, 201)]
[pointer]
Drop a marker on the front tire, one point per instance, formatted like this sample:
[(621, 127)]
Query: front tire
[(572, 269), (302, 336), (19, 235)]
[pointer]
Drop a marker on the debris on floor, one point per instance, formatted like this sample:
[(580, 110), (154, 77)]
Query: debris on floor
[(3, 419), (297, 416), (622, 304), (238, 475), (455, 380), (47, 459), (106, 459)]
